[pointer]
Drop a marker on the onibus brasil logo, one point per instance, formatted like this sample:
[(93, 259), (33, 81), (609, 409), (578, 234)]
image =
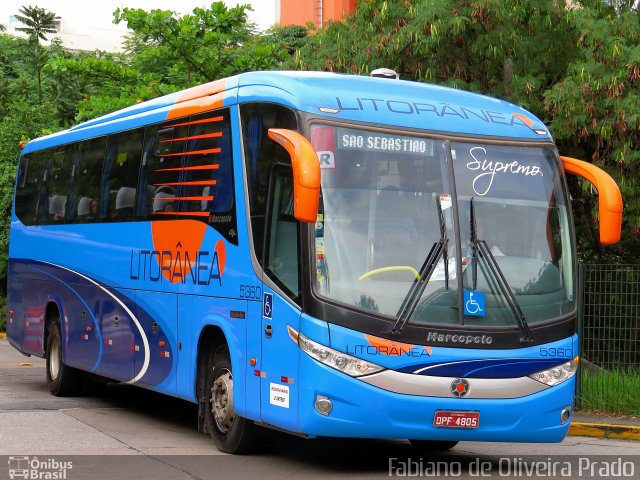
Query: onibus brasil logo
[(37, 469)]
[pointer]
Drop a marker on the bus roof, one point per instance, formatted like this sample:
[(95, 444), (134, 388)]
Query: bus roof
[(372, 100)]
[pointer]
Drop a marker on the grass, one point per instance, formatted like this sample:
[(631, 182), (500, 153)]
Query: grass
[(615, 392)]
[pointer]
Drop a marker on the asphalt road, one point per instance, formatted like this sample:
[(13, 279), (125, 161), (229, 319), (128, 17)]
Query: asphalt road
[(128, 432)]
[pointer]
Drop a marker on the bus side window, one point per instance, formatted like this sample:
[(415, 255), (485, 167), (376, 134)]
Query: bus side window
[(120, 176), (31, 177), (58, 178), (260, 154), (282, 256), (208, 189), (84, 190), (161, 168)]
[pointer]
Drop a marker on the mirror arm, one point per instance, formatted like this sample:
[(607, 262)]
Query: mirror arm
[(306, 172), (609, 197)]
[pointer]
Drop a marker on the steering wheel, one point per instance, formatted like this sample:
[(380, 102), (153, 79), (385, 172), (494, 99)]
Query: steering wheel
[(393, 268)]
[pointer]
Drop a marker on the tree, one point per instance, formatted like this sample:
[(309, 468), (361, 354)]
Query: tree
[(203, 46), (38, 22), (511, 49), (594, 112), (289, 37)]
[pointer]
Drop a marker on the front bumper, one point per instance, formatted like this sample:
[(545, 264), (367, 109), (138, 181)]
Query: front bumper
[(366, 411)]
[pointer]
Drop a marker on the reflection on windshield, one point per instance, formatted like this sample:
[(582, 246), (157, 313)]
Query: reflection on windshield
[(379, 220)]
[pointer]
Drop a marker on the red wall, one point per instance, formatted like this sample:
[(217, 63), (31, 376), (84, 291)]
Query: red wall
[(299, 12)]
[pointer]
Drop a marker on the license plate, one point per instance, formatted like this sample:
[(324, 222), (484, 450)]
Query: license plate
[(456, 419)]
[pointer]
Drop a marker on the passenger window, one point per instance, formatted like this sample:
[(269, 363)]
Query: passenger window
[(188, 172), (207, 189), (120, 176), (161, 169), (84, 193), (58, 180), (31, 181)]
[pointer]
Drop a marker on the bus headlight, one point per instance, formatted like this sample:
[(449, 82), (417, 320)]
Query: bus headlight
[(356, 367), (557, 375)]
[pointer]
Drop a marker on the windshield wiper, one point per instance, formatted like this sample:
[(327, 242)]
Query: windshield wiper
[(410, 302), (480, 249)]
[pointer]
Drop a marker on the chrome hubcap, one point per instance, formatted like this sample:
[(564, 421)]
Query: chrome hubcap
[(54, 360), (222, 401)]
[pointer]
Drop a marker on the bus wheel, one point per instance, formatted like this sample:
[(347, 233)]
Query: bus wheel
[(231, 433), (433, 445), (63, 380)]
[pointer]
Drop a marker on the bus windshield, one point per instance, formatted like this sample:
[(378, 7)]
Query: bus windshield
[(388, 200)]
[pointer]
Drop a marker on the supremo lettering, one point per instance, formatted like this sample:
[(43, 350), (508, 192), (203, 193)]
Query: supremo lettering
[(198, 268), (489, 168)]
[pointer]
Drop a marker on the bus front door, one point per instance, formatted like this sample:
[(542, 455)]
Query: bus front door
[(279, 362)]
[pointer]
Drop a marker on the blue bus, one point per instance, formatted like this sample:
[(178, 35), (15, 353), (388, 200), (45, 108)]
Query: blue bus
[(328, 255)]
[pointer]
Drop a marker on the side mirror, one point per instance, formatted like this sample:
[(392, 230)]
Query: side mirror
[(609, 197), (306, 173)]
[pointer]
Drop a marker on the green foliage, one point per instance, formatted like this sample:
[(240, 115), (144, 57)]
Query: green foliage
[(38, 22), (98, 84), (610, 392), (511, 49), (206, 45), (594, 110), (290, 38)]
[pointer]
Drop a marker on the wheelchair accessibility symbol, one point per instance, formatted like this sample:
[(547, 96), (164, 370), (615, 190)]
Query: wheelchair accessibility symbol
[(267, 305), (474, 303)]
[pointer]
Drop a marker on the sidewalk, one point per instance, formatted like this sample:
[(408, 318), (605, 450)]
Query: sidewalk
[(605, 427)]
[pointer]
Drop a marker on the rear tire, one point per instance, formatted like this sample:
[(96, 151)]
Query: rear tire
[(63, 380), (433, 445), (230, 432)]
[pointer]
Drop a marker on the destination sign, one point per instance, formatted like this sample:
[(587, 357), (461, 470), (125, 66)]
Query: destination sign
[(349, 139)]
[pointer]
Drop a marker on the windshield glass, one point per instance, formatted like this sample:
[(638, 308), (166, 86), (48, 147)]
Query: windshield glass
[(521, 214), (387, 202)]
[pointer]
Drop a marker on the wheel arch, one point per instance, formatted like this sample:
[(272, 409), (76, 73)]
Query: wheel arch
[(211, 338), (53, 306)]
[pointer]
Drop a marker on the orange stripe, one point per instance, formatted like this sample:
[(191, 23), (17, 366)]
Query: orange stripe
[(202, 91), (184, 214), (195, 137), (196, 122), (196, 152), (213, 166), (177, 184), (528, 122), (195, 106), (171, 199)]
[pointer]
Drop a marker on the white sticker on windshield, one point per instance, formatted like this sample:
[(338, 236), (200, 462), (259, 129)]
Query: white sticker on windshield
[(439, 273), (327, 160), (445, 201)]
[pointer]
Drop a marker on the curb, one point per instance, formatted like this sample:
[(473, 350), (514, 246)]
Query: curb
[(605, 430), (3, 335)]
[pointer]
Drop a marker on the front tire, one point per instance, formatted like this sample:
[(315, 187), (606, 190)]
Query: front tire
[(230, 432), (63, 380), (433, 445)]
